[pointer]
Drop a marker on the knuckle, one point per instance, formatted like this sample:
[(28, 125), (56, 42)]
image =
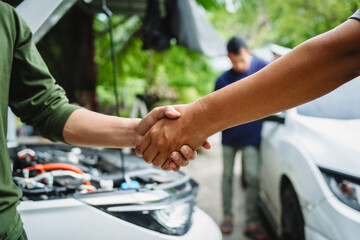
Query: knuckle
[(189, 155), (166, 165), (158, 161), (155, 132), (177, 168), (157, 109), (147, 159), (192, 155), (161, 143)]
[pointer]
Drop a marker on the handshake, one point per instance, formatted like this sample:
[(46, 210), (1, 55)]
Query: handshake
[(168, 137)]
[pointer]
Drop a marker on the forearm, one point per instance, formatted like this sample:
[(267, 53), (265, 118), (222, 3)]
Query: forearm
[(311, 70), (87, 128)]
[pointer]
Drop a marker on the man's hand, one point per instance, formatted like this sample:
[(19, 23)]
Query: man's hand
[(161, 142), (177, 159)]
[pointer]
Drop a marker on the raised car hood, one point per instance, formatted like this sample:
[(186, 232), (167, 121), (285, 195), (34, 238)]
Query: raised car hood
[(42, 15), (331, 144)]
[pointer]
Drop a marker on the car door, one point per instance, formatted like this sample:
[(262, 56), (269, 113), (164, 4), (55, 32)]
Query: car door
[(271, 167)]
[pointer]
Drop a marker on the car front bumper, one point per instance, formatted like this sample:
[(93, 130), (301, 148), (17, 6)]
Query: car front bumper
[(72, 219), (312, 234), (331, 219)]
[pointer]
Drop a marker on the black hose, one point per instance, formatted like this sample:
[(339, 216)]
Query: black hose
[(108, 13), (48, 190)]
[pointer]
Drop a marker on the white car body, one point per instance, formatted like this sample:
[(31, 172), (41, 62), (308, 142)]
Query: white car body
[(72, 219), (86, 193), (79, 217), (300, 152)]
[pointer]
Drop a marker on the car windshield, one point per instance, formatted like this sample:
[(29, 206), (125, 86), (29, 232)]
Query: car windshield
[(342, 103)]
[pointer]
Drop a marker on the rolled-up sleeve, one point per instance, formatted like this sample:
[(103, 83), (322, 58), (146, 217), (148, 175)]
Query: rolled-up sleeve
[(34, 95)]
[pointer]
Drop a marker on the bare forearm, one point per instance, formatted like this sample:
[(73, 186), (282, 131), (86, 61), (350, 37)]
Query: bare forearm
[(311, 70), (87, 128)]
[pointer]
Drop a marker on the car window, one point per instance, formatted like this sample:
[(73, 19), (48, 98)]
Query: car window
[(342, 103)]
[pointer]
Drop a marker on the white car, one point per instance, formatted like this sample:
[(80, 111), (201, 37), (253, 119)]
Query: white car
[(85, 193), (310, 170)]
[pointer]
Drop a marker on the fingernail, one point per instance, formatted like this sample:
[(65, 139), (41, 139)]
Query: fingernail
[(184, 150), (174, 156), (137, 151), (173, 110)]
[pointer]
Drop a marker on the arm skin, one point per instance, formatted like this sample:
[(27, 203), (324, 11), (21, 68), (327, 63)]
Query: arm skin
[(87, 128), (311, 70)]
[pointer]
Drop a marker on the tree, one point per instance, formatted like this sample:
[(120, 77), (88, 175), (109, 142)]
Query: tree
[(187, 74)]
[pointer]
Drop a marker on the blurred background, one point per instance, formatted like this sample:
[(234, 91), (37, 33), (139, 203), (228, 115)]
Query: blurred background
[(156, 52), (129, 56)]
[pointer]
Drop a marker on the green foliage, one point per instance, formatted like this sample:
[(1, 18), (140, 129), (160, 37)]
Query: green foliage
[(123, 30), (212, 4), (186, 71), (295, 21), (244, 22), (287, 23)]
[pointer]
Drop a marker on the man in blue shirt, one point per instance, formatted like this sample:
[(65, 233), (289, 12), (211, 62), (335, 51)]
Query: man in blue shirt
[(245, 137)]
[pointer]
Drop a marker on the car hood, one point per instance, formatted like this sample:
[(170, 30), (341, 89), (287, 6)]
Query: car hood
[(331, 143)]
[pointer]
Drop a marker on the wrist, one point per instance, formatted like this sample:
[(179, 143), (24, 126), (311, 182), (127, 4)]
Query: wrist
[(198, 121), (123, 132), (133, 131), (204, 117)]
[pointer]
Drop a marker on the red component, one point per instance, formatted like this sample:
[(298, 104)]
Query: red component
[(57, 166), (27, 153)]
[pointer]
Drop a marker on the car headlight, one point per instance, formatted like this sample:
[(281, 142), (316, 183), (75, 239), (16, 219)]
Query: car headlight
[(156, 209), (170, 217), (346, 188), (176, 218)]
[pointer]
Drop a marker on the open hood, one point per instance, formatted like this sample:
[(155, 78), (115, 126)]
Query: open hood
[(42, 15), (184, 21)]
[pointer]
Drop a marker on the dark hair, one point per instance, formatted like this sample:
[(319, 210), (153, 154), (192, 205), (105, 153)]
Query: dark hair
[(235, 44)]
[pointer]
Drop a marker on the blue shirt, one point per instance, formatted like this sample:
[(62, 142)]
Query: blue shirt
[(248, 133)]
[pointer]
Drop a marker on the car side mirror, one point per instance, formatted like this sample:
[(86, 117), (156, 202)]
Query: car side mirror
[(273, 118)]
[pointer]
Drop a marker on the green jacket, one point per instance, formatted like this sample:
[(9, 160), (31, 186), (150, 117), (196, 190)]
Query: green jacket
[(31, 92)]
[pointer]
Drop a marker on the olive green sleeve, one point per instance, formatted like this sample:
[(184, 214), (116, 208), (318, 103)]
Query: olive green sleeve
[(34, 95)]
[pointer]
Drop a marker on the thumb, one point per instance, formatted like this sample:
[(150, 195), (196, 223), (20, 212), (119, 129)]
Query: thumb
[(155, 115), (170, 112)]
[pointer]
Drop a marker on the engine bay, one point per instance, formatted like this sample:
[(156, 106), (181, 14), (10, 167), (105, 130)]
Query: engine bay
[(55, 171)]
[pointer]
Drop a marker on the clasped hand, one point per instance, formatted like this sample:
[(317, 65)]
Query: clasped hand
[(166, 138)]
